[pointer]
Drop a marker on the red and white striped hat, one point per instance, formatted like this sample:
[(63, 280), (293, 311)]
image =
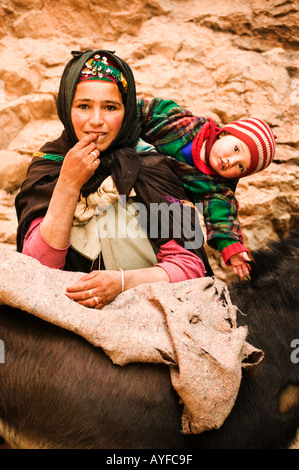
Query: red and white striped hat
[(259, 138)]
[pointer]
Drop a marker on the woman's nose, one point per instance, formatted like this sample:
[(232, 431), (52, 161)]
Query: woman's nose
[(96, 117)]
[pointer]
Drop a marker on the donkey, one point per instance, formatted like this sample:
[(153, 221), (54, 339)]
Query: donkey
[(59, 391)]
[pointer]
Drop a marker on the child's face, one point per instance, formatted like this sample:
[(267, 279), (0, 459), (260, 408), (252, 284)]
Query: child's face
[(230, 157)]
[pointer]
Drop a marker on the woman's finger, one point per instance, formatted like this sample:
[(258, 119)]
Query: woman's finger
[(79, 287), (79, 296), (85, 141), (91, 150), (87, 277), (84, 298), (84, 283), (99, 305), (90, 303)]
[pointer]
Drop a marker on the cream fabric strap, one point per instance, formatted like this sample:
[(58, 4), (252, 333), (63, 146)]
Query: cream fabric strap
[(107, 224), (122, 280)]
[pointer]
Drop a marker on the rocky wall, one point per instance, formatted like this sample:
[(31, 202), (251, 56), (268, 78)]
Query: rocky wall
[(225, 59)]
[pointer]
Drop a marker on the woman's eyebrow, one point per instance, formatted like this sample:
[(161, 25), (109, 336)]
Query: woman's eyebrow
[(111, 101), (82, 99), (88, 100)]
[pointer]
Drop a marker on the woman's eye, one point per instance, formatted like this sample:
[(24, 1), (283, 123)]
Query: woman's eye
[(241, 167), (236, 149), (84, 107), (110, 108)]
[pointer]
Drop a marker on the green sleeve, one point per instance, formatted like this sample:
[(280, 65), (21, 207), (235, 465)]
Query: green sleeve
[(223, 243), (217, 203), (167, 126), (170, 127), (220, 211)]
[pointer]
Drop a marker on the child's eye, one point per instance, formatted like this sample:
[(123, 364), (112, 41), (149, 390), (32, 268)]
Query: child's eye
[(236, 149), (241, 167)]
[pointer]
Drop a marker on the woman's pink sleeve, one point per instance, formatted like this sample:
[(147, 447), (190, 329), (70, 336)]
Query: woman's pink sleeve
[(179, 263), (36, 247)]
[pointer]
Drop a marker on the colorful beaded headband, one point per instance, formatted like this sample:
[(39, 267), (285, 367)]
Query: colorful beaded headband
[(102, 68)]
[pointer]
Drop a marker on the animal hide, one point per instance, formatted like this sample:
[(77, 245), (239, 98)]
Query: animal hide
[(190, 326)]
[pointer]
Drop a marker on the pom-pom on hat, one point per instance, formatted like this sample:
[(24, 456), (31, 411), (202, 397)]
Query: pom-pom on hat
[(259, 138)]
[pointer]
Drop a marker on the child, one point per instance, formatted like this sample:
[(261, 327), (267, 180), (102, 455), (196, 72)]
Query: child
[(210, 160), (222, 156)]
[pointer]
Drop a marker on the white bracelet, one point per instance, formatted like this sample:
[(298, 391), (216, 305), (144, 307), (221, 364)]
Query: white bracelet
[(122, 280)]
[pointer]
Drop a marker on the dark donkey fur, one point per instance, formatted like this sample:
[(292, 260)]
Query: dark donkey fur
[(58, 391)]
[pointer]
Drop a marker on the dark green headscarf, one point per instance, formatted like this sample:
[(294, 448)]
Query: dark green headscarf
[(130, 130)]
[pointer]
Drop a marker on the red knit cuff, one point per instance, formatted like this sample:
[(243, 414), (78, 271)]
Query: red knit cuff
[(232, 250)]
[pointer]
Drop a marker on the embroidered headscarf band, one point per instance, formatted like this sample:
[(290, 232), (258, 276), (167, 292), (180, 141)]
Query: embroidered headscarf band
[(101, 67)]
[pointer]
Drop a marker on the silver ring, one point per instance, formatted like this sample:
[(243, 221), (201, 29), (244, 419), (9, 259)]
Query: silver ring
[(90, 294), (93, 154), (96, 299)]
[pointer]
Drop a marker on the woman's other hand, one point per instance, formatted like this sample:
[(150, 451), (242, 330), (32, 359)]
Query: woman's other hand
[(96, 289), (99, 288)]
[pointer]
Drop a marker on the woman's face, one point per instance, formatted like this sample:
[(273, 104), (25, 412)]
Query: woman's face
[(97, 108)]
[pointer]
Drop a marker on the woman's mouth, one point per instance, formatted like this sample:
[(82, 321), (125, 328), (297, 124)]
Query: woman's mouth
[(98, 134)]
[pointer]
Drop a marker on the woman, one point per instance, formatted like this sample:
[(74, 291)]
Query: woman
[(73, 184)]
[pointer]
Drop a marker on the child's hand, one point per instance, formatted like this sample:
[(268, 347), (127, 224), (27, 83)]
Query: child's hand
[(239, 263)]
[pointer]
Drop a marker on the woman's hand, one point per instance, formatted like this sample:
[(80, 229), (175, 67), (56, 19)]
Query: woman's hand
[(79, 163), (99, 288), (78, 166), (96, 289)]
